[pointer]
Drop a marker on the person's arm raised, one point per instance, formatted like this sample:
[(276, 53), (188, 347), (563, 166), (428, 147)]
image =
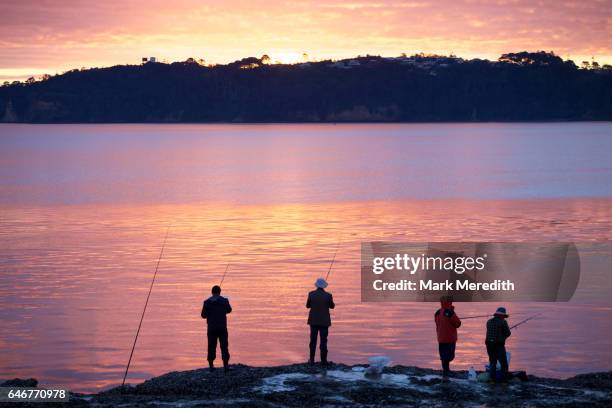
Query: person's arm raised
[(507, 331), (455, 320)]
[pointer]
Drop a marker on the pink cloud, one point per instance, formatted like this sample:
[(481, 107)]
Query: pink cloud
[(59, 35)]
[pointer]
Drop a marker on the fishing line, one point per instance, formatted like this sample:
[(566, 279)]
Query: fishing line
[(145, 307)]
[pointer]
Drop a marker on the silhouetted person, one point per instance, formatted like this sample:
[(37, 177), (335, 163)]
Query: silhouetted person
[(215, 310), (497, 333), (319, 302), (447, 323)]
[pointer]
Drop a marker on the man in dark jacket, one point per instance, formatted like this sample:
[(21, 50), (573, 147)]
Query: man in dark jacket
[(319, 302), (497, 333), (215, 310), (447, 323)]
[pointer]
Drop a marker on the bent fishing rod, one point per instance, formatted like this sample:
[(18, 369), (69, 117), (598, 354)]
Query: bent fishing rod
[(145, 308), (525, 321)]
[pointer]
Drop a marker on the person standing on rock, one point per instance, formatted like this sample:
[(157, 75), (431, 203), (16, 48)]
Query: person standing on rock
[(215, 310), (497, 333), (319, 302), (447, 323)]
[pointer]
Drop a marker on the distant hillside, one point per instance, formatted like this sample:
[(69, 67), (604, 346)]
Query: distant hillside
[(518, 87)]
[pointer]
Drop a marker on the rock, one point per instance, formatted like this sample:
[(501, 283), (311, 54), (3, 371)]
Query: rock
[(340, 385)]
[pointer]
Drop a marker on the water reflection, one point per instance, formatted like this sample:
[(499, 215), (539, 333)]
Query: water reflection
[(74, 279), (68, 164)]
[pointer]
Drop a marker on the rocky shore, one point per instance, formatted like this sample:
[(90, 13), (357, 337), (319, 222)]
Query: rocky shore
[(341, 385)]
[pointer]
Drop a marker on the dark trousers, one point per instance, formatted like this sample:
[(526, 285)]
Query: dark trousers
[(497, 352), (213, 336), (447, 354), (315, 331)]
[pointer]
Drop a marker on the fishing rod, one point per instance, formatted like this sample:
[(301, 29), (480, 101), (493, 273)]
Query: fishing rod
[(224, 273), (476, 317), (331, 265), (487, 315), (145, 308), (525, 321)]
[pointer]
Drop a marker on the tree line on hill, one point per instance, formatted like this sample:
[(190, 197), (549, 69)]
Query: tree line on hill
[(523, 86)]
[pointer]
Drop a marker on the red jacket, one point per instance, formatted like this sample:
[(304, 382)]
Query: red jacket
[(447, 323)]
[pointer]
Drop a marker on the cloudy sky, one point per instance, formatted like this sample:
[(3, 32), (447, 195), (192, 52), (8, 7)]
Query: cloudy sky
[(51, 36)]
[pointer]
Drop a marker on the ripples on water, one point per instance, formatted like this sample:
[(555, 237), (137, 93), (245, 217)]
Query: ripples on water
[(76, 262), (75, 279)]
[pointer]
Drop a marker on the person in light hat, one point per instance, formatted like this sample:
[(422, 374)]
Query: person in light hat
[(497, 333), (319, 302)]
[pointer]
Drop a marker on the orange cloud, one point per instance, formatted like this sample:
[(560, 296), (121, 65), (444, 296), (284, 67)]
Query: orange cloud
[(39, 36)]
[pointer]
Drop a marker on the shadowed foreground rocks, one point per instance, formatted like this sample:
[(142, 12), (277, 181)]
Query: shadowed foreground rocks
[(340, 385)]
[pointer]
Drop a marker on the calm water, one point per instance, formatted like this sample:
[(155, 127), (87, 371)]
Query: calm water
[(83, 212)]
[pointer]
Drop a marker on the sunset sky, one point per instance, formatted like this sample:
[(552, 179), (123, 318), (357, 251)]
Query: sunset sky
[(51, 36)]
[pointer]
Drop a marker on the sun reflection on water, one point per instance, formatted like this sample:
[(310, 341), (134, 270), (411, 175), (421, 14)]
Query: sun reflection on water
[(74, 280)]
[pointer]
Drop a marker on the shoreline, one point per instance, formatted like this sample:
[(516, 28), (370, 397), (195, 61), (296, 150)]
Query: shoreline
[(343, 385), (332, 123)]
